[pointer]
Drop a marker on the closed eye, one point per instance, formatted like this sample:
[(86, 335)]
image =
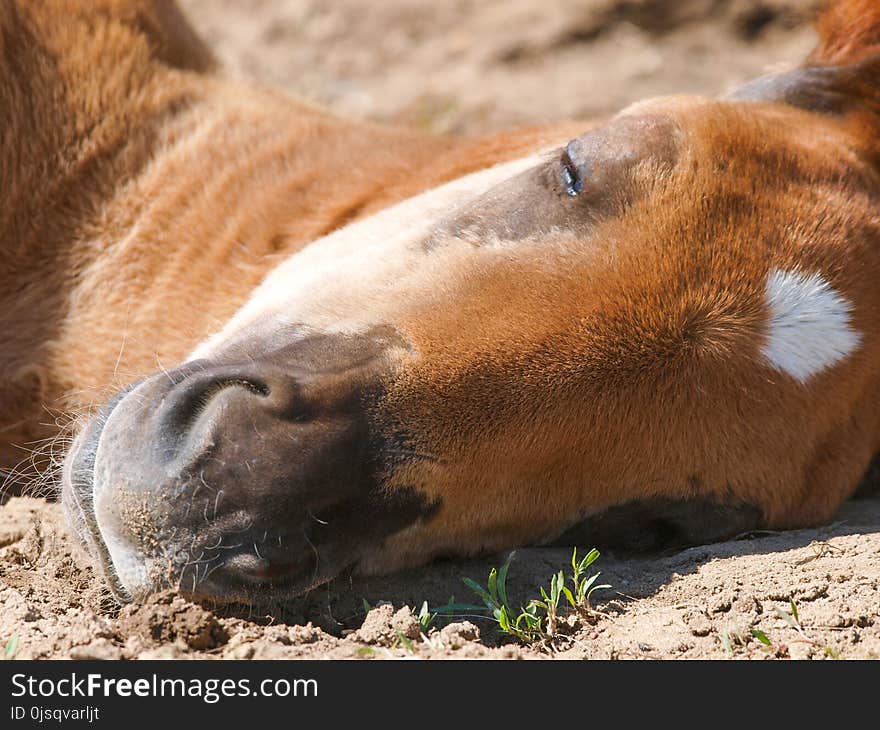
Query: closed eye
[(572, 182)]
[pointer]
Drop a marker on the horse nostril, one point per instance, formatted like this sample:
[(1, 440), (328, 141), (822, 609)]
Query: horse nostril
[(254, 387), (190, 396)]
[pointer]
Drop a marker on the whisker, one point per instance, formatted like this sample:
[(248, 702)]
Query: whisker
[(316, 519), (317, 557)]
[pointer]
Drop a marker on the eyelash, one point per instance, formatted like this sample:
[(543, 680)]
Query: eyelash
[(571, 180)]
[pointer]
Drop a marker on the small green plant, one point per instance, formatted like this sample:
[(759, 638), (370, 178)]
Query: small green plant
[(762, 637), (550, 603), (793, 620), (583, 585), (11, 647), (425, 617), (525, 624), (405, 642), (538, 619), (726, 642)]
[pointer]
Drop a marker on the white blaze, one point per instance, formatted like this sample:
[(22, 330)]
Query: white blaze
[(809, 328), (340, 282)]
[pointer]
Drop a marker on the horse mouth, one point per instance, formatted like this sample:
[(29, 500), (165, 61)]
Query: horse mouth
[(77, 495), (241, 479), (241, 573)]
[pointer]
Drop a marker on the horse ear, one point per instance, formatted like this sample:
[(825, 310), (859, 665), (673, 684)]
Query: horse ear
[(841, 76)]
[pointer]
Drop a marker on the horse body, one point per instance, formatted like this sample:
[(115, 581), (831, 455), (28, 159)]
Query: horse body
[(375, 346)]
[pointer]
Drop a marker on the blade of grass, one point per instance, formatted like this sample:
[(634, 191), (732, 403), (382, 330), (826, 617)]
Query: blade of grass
[(725, 640), (785, 616), (762, 637), (11, 646)]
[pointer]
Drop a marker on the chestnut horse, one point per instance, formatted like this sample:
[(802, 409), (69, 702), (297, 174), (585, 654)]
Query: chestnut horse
[(339, 345)]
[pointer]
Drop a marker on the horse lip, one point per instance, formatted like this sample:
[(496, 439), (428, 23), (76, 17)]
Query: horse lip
[(79, 480), (292, 577), (83, 498)]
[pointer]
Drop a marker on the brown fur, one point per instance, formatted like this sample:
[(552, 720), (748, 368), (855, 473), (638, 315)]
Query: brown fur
[(663, 370), (147, 196), (133, 175), (848, 32)]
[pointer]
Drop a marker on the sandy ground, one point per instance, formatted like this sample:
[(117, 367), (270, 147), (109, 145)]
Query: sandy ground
[(466, 66), (703, 602), (475, 65)]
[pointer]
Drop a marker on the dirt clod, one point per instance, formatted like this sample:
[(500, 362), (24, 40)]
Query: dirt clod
[(456, 635), (699, 625), (167, 617), (383, 626), (307, 634), (97, 649)]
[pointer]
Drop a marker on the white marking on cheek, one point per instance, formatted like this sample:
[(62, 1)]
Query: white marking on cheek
[(809, 328)]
